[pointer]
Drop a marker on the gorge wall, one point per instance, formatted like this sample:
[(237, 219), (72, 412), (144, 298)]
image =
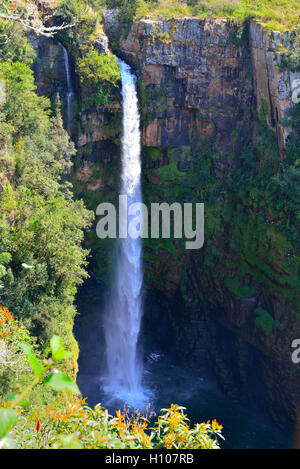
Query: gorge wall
[(210, 90), (214, 100)]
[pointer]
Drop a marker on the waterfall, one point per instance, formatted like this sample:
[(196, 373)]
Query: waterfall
[(70, 92), (125, 307)]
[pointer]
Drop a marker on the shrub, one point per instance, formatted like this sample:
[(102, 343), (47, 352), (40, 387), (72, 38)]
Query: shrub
[(79, 426), (25, 425), (280, 15), (40, 223), (101, 74)]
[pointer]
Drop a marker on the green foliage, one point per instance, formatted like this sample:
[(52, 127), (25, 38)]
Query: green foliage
[(13, 43), (238, 289), (41, 226), (56, 380), (34, 362), (101, 74), (266, 198), (163, 9), (127, 11), (7, 419), (284, 190), (291, 54), (124, 19), (265, 321), (99, 69), (14, 364), (61, 382), (75, 12), (57, 349), (78, 426), (23, 109), (280, 15), (263, 112), (253, 209)]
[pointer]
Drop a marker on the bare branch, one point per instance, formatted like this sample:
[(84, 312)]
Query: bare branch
[(29, 22), (40, 29)]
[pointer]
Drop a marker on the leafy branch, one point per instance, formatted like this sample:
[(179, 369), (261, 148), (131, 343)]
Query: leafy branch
[(55, 379)]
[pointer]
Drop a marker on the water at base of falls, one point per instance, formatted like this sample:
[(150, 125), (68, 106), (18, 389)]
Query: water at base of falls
[(124, 307), (170, 382)]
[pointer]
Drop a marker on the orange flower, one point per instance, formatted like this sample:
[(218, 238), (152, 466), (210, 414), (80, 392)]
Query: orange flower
[(121, 425), (71, 411), (100, 437), (169, 440), (5, 313), (215, 426), (174, 407), (174, 420), (48, 410)]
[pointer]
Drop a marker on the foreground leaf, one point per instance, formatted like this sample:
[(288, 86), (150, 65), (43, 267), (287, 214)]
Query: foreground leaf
[(67, 442), (57, 349), (8, 443), (36, 366), (7, 419), (61, 382)]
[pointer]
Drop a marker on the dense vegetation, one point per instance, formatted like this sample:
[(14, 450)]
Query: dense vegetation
[(70, 423), (276, 14), (256, 218), (100, 73), (41, 226)]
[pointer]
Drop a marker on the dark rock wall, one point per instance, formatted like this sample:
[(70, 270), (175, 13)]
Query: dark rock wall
[(198, 81), (201, 80)]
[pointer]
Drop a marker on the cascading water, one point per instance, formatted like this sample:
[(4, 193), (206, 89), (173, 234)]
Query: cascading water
[(125, 306), (70, 92)]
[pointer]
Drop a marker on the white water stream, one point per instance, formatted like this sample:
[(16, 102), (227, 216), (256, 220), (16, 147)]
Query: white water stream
[(70, 93), (125, 306)]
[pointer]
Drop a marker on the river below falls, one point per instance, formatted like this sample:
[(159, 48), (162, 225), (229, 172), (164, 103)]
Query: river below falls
[(168, 383)]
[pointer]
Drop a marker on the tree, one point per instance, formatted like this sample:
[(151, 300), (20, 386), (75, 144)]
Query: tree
[(41, 225), (100, 73), (27, 14)]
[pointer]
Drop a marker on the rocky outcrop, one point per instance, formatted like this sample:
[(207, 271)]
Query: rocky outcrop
[(274, 87), (194, 79), (200, 70), (49, 68)]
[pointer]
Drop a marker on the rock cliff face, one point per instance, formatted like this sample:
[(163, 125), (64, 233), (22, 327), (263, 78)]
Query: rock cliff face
[(273, 88), (194, 81), (208, 90), (209, 81), (206, 64), (49, 69)]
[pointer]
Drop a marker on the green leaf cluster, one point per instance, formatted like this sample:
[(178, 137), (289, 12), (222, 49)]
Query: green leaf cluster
[(41, 225), (100, 73)]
